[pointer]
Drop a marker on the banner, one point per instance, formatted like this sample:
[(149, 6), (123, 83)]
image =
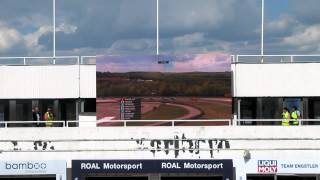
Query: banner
[(16, 168), (217, 167), (283, 166)]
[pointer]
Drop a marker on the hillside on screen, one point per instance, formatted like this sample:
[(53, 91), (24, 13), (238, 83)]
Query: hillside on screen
[(164, 87)]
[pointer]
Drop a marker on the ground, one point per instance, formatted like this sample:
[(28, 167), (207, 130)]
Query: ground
[(170, 108)]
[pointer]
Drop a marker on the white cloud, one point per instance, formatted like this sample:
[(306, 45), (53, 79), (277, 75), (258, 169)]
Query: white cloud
[(66, 28), (129, 45), (31, 40), (284, 23), (310, 35), (189, 39), (9, 37), (189, 14)]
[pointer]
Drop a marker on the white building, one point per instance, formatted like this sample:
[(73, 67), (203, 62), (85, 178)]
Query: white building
[(65, 84), (260, 90)]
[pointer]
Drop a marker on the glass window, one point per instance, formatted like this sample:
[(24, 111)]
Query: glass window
[(4, 111), (248, 108), (117, 178), (24, 110), (296, 177), (192, 178), (291, 103), (271, 108), (260, 177)]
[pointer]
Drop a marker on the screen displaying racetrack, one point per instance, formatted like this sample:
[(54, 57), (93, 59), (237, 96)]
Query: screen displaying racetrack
[(164, 87)]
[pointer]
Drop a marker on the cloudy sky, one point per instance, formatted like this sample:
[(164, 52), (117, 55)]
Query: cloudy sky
[(205, 62), (90, 27)]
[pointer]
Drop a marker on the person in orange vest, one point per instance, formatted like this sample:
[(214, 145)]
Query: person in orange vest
[(49, 118)]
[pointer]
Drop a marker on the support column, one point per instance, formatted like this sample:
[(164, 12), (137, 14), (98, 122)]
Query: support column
[(305, 111), (259, 109), (77, 109), (82, 105), (56, 111), (239, 108), (12, 110), (280, 104)]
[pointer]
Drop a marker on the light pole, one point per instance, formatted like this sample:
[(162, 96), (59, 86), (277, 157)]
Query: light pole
[(54, 29), (157, 27), (262, 30)]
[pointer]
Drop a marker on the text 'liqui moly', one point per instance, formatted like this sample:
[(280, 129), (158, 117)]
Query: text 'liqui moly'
[(267, 166)]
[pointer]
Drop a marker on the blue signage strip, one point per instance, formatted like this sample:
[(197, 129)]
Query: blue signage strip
[(217, 167)]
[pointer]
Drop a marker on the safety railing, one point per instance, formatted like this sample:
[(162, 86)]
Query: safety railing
[(261, 122), (270, 59), (124, 123), (89, 60), (173, 123), (42, 61), (38, 61), (168, 123), (15, 124)]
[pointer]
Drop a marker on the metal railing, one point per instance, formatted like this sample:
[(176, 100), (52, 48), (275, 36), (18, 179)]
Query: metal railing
[(269, 59), (89, 60), (42, 61), (168, 123), (259, 122), (173, 123), (8, 124), (38, 61), (124, 123)]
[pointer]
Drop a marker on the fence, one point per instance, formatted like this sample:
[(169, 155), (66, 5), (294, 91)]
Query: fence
[(258, 59), (302, 122), (43, 61), (167, 123), (8, 124)]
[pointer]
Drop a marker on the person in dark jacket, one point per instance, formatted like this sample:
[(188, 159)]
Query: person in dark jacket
[(36, 116)]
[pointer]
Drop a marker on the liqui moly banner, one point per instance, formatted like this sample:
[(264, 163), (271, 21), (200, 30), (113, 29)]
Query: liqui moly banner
[(278, 166), (267, 166)]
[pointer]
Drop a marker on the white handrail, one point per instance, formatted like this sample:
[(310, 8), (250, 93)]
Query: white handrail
[(83, 57), (172, 122), (26, 58), (277, 120), (289, 56), (6, 123)]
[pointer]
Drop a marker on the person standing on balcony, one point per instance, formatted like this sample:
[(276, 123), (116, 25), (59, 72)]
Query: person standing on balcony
[(49, 118), (295, 115), (36, 116), (285, 117)]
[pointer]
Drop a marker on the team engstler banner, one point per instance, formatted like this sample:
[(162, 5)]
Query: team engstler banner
[(283, 166)]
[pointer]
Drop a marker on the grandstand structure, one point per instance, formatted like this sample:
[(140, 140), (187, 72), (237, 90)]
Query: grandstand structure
[(250, 146)]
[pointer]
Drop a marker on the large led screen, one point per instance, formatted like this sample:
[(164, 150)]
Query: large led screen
[(165, 87)]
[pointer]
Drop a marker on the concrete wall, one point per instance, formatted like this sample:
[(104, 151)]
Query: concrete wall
[(161, 143), (46, 82), (88, 81), (276, 80)]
